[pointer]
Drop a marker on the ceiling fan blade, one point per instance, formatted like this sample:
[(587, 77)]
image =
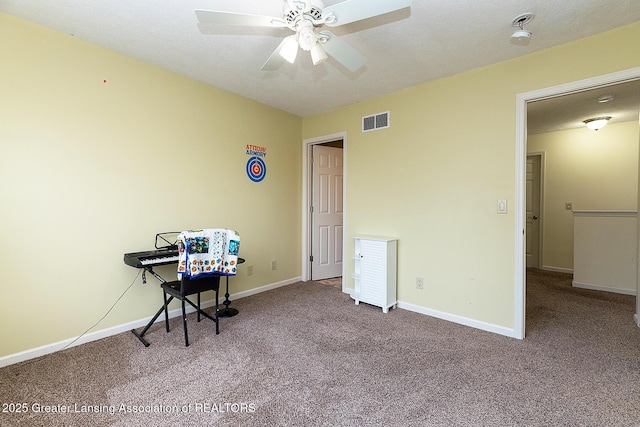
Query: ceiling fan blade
[(275, 60), (355, 10), (342, 52), (232, 18)]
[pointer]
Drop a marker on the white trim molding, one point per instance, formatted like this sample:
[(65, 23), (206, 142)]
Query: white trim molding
[(125, 327), (605, 213), (593, 287), (557, 269), (520, 168), (489, 327)]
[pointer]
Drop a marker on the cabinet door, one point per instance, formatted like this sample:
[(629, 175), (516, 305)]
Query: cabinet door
[(373, 271)]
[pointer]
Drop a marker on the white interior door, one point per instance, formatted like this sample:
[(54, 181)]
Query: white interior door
[(327, 212), (533, 211)]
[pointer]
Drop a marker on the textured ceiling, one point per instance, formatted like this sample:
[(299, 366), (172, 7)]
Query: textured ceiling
[(429, 40), (569, 111)]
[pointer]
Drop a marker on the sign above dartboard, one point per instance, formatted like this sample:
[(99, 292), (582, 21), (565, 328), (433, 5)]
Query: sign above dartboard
[(256, 168)]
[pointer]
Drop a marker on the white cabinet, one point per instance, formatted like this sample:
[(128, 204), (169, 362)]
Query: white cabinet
[(375, 271)]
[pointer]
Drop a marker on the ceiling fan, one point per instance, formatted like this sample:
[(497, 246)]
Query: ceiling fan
[(306, 18)]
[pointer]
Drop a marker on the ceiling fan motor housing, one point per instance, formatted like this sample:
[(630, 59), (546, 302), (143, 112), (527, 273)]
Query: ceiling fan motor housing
[(303, 17), (313, 10)]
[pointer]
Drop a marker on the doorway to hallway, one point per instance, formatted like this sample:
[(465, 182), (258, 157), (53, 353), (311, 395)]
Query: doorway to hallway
[(324, 207)]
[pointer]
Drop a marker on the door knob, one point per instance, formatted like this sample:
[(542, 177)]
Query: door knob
[(535, 217)]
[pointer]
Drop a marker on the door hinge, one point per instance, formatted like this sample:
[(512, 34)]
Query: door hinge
[(311, 209), (311, 258)]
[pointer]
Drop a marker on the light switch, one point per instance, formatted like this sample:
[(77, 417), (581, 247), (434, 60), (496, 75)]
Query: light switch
[(502, 207)]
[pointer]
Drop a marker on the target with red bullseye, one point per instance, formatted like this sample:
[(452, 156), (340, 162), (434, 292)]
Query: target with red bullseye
[(256, 169)]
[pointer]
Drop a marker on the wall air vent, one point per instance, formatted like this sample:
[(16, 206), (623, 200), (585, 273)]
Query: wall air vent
[(375, 122)]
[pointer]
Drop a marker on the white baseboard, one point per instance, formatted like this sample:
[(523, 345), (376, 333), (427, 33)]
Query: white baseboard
[(557, 269), (501, 330), (68, 343), (603, 288), (125, 327), (264, 288)]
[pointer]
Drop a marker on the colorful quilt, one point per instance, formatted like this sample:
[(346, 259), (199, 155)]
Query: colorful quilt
[(208, 251)]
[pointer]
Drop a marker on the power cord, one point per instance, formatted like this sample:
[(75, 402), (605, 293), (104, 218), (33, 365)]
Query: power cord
[(106, 314)]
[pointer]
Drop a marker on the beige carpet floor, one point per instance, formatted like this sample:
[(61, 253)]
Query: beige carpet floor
[(306, 355)]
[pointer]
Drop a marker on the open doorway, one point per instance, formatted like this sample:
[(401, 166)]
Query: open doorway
[(521, 172), (324, 208)]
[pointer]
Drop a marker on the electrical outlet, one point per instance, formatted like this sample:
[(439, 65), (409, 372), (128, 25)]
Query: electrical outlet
[(249, 270), (274, 265), (419, 283)]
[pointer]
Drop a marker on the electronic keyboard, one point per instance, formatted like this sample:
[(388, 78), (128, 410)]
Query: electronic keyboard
[(152, 258)]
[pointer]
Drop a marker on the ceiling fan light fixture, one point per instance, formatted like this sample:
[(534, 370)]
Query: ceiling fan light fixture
[(597, 122), (307, 36), (289, 49), (305, 18), (318, 54)]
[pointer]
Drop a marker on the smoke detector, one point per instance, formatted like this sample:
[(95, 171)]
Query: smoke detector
[(521, 36)]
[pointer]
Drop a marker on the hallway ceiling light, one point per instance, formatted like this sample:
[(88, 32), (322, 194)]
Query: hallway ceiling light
[(597, 122), (606, 98)]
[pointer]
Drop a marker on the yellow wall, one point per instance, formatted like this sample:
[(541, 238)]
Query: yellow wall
[(594, 171), (90, 170), (433, 179), (93, 169)]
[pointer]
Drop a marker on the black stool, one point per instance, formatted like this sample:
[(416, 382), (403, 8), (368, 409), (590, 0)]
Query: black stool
[(181, 289)]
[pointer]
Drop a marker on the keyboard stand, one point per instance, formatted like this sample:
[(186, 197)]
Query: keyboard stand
[(140, 335), (223, 312)]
